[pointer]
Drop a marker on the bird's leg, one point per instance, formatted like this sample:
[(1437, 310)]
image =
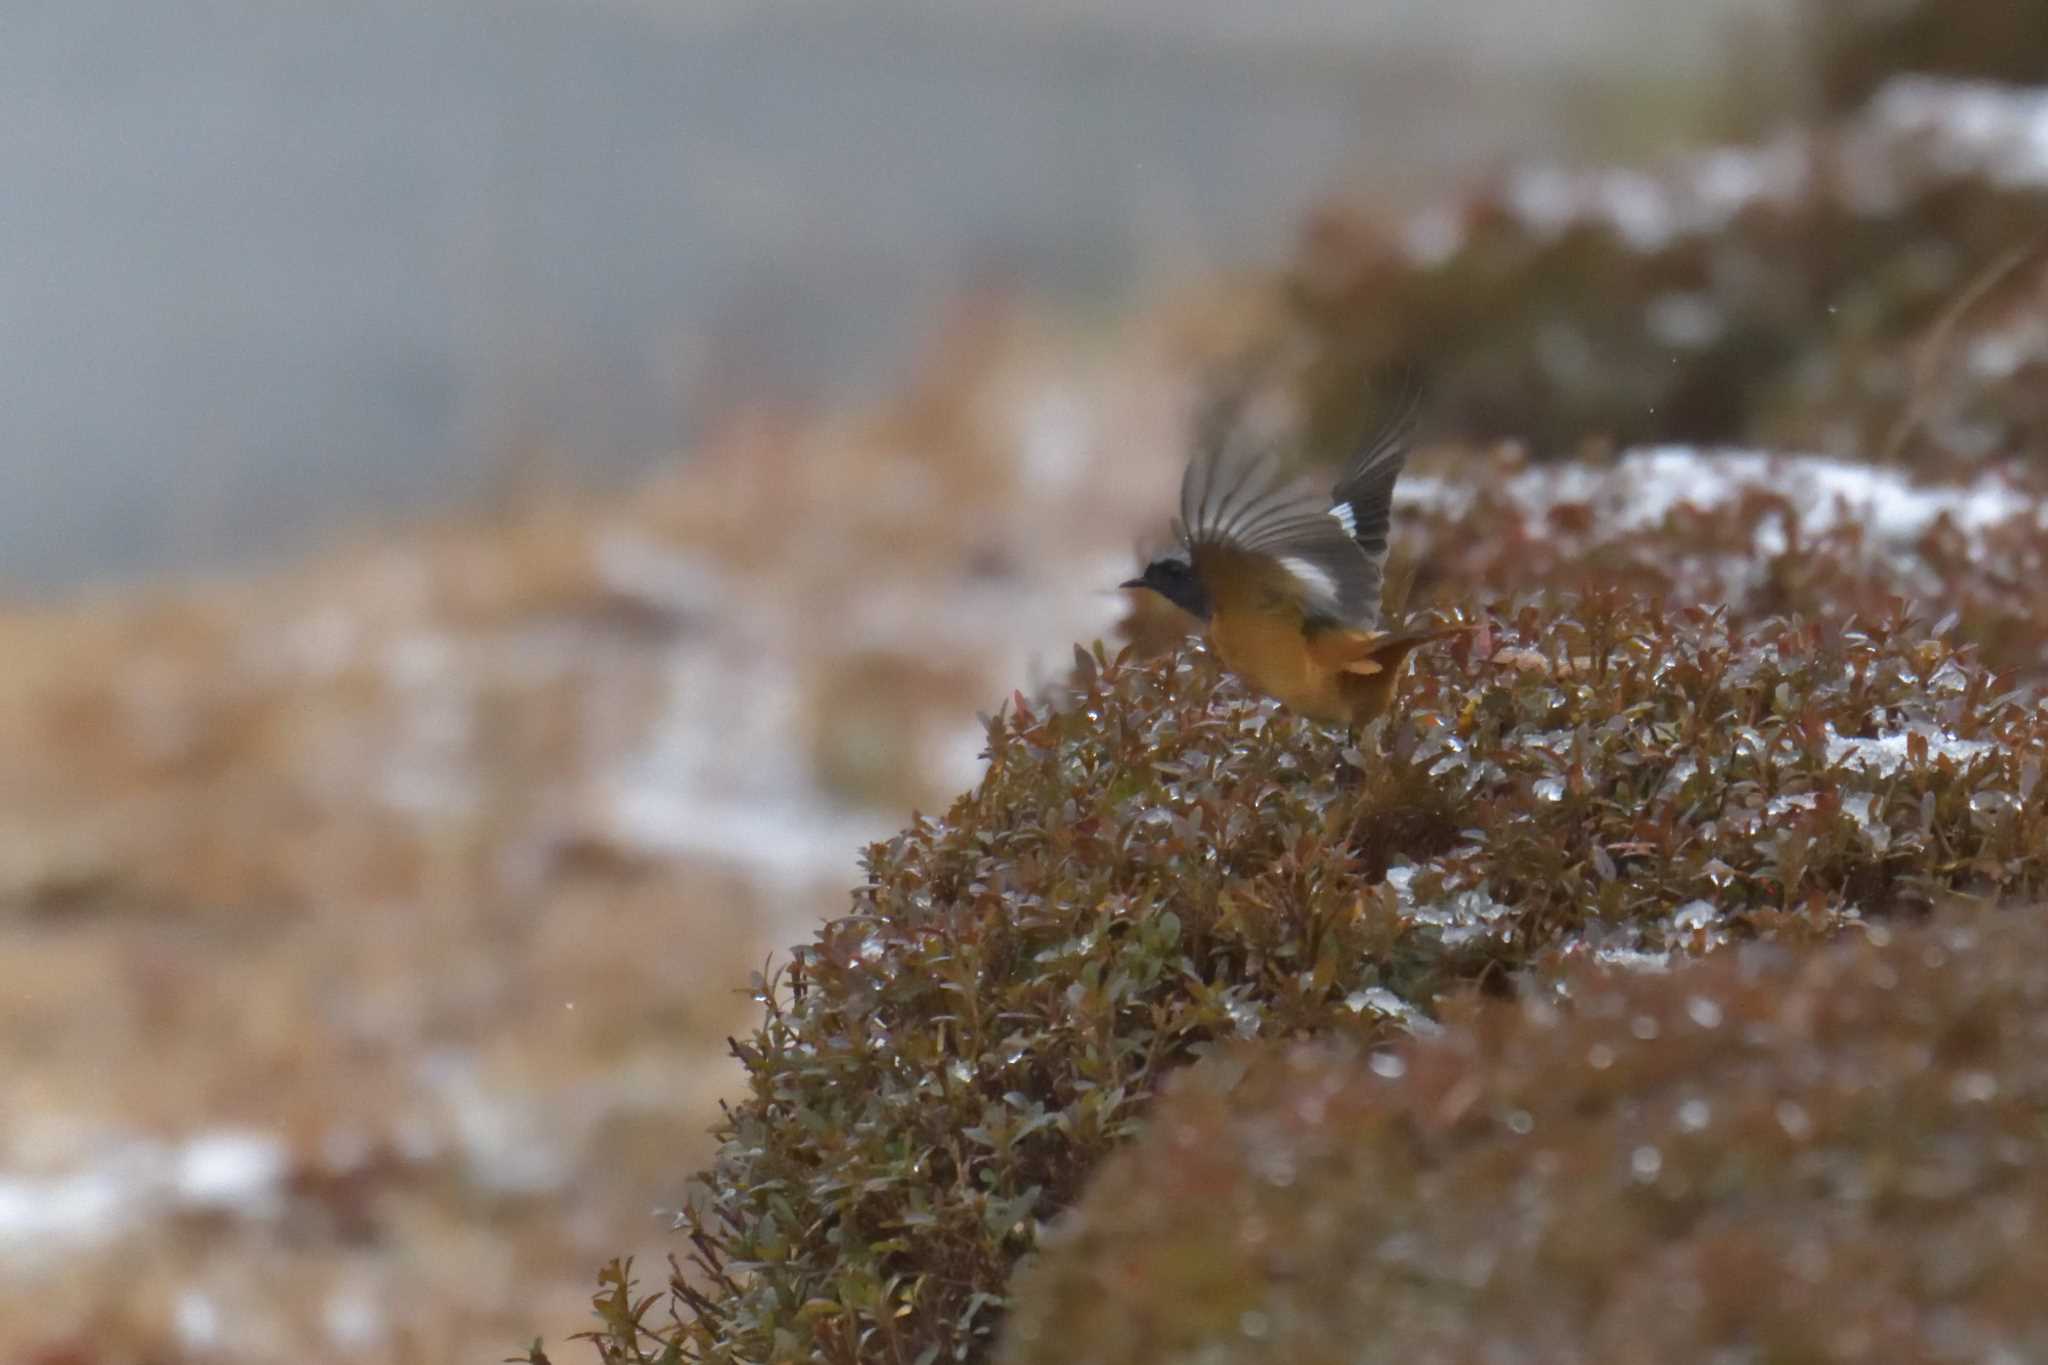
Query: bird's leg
[(1365, 742), (1349, 773)]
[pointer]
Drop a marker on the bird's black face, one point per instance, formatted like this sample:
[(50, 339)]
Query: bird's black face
[(1175, 580)]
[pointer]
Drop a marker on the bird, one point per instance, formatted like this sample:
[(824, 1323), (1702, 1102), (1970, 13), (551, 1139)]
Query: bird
[(1287, 583)]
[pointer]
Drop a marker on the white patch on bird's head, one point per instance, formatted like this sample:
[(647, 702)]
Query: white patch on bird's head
[(1345, 518), (1312, 577)]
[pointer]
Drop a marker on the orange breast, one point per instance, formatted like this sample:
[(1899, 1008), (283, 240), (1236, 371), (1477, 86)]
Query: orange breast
[(1270, 654)]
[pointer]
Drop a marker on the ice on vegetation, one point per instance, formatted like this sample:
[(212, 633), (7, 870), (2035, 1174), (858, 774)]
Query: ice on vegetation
[(696, 683), (1973, 1087), (319, 644), (1433, 236), (1636, 204), (1688, 321), (720, 775), (1646, 486), (1887, 753), (1793, 1118), (195, 1319), (725, 773), (1055, 438), (354, 1321), (666, 578), (1428, 493), (507, 1144), (1632, 960), (1913, 125), (46, 1215), (1382, 1002), (1458, 916), (1681, 773), (1948, 678), (1651, 212), (1973, 128), (1693, 916), (1999, 353), (1994, 802), (428, 771), (231, 1171), (790, 843)]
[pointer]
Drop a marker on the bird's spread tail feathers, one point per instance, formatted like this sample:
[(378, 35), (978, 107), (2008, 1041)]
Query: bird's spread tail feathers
[(1365, 652)]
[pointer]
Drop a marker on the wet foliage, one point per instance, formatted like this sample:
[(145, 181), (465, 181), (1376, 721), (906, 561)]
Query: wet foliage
[(1867, 287), (1162, 864), (1764, 1156), (1759, 536)]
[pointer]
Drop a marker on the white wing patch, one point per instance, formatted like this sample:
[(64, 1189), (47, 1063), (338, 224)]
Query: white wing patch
[(1342, 512), (1311, 577)]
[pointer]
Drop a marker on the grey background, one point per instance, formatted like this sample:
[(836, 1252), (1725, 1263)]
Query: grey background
[(269, 268)]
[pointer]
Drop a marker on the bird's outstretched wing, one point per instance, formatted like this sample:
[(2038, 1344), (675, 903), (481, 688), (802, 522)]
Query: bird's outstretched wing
[(1363, 503), (1277, 536)]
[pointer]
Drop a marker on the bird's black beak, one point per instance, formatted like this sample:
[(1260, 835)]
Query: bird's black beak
[(1134, 583)]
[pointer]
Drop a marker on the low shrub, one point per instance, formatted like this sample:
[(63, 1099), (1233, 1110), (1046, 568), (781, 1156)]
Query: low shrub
[(1162, 864), (1763, 1156), (1864, 288)]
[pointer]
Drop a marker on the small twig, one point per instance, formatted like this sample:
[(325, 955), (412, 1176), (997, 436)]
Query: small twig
[(1936, 343)]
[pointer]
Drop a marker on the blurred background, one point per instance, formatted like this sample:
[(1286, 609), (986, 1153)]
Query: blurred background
[(503, 497), (275, 270)]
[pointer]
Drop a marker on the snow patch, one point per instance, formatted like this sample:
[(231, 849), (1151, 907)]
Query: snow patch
[(1649, 484), (1887, 753), (1913, 127), (233, 1173)]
